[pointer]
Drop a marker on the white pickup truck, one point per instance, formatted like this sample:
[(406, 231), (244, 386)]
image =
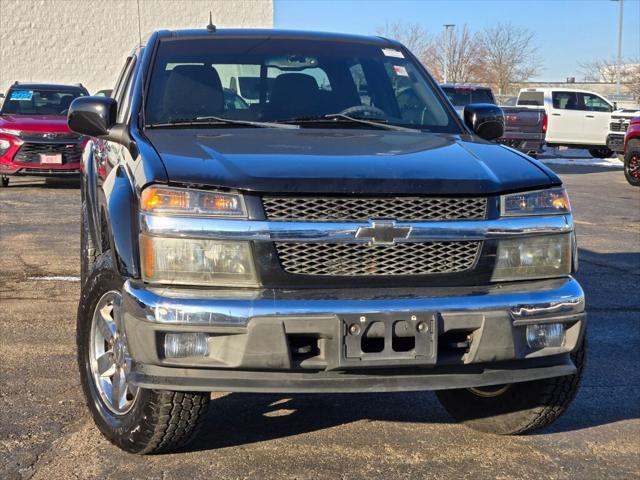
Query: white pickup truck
[(576, 118)]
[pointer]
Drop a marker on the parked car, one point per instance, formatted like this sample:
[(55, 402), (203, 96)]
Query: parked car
[(618, 126), (34, 137), (632, 152), (524, 127), (103, 93), (315, 242), (575, 118)]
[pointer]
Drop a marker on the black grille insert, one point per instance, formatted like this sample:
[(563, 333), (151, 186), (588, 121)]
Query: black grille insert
[(30, 152)]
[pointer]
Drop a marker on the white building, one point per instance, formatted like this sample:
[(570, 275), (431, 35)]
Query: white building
[(86, 41)]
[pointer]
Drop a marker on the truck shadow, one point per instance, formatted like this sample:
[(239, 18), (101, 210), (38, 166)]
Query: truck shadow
[(609, 393)]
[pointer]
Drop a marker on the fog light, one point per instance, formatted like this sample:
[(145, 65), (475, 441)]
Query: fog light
[(181, 345), (545, 335)]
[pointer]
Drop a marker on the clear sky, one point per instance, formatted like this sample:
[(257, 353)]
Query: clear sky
[(568, 32)]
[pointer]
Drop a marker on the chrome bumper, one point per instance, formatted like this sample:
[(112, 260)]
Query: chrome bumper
[(250, 333)]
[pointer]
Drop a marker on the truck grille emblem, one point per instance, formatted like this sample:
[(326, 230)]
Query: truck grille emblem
[(382, 232)]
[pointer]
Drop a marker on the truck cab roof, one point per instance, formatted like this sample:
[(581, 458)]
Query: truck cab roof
[(276, 34)]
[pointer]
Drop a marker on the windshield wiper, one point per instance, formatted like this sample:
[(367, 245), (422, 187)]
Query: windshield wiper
[(341, 117), (213, 120)]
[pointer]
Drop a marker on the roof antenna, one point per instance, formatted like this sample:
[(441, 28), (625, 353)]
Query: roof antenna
[(211, 27), (139, 26)]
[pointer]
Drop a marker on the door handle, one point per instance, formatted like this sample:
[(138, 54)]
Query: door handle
[(556, 114), (589, 116)]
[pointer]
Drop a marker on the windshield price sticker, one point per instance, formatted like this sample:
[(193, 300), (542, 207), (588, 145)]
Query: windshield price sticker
[(21, 95), (391, 52)]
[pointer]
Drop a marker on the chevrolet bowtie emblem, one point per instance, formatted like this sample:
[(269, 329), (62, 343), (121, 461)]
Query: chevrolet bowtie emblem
[(382, 232)]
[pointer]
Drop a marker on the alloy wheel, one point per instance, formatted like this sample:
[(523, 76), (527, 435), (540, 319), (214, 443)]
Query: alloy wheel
[(109, 357)]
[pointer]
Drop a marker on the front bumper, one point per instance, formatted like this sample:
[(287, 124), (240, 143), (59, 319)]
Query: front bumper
[(615, 142), (296, 341), (70, 170)]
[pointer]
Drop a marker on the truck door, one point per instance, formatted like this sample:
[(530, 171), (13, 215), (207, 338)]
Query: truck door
[(596, 116), (565, 119)]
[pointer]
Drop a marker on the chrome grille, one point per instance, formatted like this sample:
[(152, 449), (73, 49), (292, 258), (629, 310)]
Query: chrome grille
[(349, 259), (618, 126), (361, 209)]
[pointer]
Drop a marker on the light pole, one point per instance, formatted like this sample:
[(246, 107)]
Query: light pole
[(619, 61), (447, 41)]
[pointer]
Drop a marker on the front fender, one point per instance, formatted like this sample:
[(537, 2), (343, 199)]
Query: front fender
[(121, 207), (89, 184)]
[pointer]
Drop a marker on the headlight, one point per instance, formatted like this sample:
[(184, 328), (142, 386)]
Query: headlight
[(187, 261), (180, 201), (10, 131), (540, 202), (4, 146), (533, 257)]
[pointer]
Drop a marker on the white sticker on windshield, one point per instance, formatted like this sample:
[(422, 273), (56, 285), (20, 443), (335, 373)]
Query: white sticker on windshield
[(392, 52), (400, 70), (21, 95)]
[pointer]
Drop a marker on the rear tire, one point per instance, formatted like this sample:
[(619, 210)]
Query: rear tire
[(601, 152), (140, 421), (517, 408), (4, 181), (632, 163)]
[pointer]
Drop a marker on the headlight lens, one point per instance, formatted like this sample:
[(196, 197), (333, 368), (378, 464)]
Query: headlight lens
[(4, 146), (186, 261), (180, 201), (540, 202), (533, 257), (10, 131)]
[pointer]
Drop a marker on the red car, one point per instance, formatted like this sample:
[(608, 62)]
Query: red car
[(34, 136), (632, 152)]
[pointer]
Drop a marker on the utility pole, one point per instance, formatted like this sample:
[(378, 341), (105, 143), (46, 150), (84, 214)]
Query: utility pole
[(619, 64), (447, 42)]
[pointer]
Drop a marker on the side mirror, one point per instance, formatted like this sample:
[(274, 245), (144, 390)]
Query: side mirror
[(92, 116), (485, 120), (96, 117)]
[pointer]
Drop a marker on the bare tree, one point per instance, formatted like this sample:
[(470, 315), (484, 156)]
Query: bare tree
[(605, 71), (510, 55), (412, 35), (461, 52), (634, 79), (599, 71)]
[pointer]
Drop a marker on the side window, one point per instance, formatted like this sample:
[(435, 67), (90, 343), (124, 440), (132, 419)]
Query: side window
[(565, 100), (119, 83), (594, 103), (124, 96)]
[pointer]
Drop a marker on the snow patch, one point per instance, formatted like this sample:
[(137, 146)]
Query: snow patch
[(56, 278)]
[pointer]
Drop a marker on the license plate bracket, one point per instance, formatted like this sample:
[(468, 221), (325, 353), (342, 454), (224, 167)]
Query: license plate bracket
[(389, 339)]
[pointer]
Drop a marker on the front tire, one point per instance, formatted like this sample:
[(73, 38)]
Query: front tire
[(136, 420), (632, 163), (4, 181), (517, 408)]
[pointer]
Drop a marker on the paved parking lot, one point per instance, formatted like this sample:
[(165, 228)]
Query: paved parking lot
[(45, 431)]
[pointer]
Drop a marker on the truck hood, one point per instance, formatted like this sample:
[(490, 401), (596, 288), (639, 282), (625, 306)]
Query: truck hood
[(35, 123), (344, 161)]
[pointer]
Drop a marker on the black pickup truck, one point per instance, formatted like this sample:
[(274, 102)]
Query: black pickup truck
[(346, 231)]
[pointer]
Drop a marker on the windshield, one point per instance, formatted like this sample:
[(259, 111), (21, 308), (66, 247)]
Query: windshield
[(461, 97), (39, 102), (281, 80)]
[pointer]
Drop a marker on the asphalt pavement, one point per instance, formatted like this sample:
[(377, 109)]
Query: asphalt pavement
[(46, 432)]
